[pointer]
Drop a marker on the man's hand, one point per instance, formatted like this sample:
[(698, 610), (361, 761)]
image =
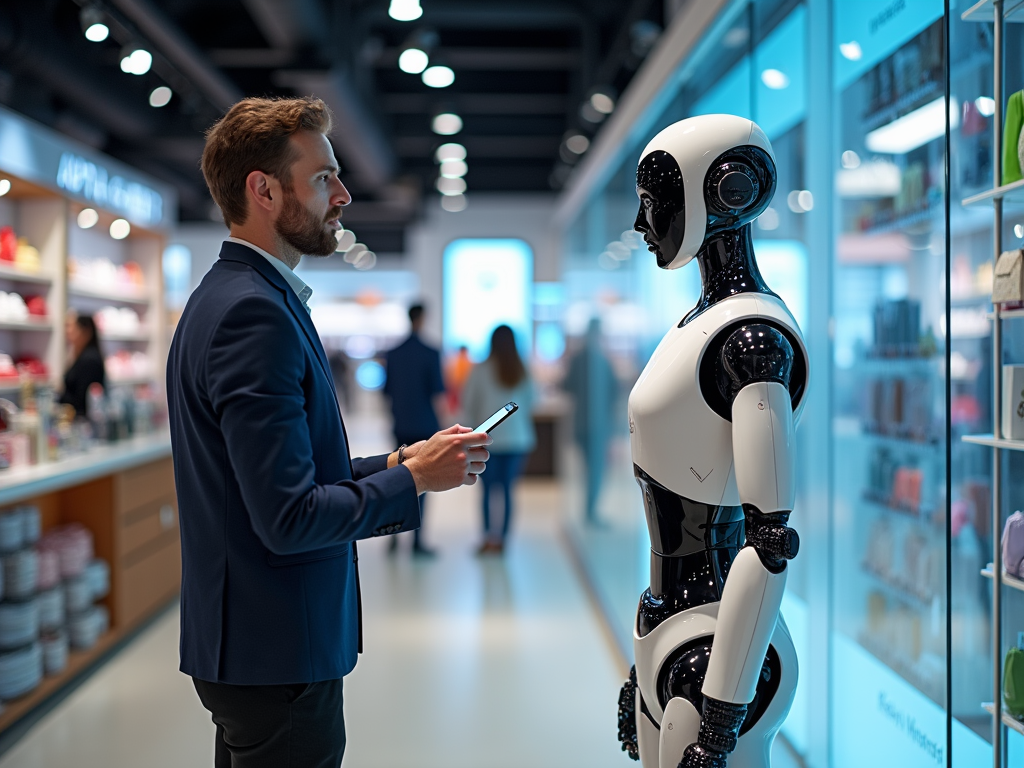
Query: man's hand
[(452, 457)]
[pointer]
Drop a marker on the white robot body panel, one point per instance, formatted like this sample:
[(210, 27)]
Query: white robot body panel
[(675, 435), (657, 749), (762, 438), (687, 141)]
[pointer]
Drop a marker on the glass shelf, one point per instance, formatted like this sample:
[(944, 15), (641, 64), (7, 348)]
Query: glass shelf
[(1013, 192), (1013, 10), (1008, 720), (1007, 579), (119, 297), (994, 442)]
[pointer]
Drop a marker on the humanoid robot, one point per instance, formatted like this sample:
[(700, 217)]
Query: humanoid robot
[(711, 423)]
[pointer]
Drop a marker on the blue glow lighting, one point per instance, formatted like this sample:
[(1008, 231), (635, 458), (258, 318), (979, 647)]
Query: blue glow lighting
[(370, 375)]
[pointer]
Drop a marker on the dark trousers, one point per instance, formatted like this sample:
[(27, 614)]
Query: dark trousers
[(503, 469), (276, 726)]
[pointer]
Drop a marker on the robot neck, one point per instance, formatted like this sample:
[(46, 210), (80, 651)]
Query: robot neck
[(727, 267)]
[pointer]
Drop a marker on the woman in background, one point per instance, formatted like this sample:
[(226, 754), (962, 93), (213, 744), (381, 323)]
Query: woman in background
[(87, 366), (501, 378)]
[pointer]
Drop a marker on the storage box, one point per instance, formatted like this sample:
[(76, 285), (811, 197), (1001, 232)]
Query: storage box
[(1013, 402)]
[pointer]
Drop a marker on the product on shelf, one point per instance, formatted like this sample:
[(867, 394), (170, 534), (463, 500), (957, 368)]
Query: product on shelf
[(102, 274), (900, 407), (897, 330), (117, 321), (1012, 138), (21, 671), (73, 545), (26, 257), (36, 306), (1008, 279), (1013, 681), (1013, 402), (51, 608), (21, 574), (1013, 545), (124, 365), (55, 652), (19, 624), (8, 244), (12, 308)]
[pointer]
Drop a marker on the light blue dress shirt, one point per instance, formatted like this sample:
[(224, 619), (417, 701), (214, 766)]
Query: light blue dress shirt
[(302, 290)]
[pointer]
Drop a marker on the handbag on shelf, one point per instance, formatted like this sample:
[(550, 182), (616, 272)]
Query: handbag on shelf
[(1008, 277), (1013, 682), (1012, 138), (1013, 545)]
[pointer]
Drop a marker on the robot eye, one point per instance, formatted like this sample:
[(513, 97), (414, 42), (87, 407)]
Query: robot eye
[(737, 190)]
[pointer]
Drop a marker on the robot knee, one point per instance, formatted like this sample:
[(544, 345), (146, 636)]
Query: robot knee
[(773, 539)]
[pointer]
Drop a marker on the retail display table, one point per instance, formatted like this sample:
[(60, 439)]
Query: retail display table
[(124, 494)]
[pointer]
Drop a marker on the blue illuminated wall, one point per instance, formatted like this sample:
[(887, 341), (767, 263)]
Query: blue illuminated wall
[(487, 282)]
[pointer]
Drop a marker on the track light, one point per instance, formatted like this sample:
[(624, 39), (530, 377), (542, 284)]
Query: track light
[(405, 10), (135, 60), (160, 97), (447, 124), (93, 24)]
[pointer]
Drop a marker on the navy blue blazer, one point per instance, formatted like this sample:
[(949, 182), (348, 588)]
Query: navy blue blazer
[(413, 378), (270, 503)]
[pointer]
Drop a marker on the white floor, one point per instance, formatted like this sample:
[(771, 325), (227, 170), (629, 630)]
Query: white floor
[(477, 663)]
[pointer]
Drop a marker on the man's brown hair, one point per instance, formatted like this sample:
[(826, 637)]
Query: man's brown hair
[(253, 136)]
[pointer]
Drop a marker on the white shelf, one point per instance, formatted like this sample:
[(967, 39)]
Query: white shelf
[(44, 324), (993, 442), (1008, 720), (10, 385), (1013, 10), (140, 335), (133, 381), (1014, 191), (118, 297), (1007, 579), (21, 276)]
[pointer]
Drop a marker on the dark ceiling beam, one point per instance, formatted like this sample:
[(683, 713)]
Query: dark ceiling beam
[(25, 46), (250, 58), (500, 59), (357, 136), (178, 49), (287, 24), (475, 103), (511, 147)]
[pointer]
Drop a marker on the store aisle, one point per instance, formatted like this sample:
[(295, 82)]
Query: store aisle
[(469, 662)]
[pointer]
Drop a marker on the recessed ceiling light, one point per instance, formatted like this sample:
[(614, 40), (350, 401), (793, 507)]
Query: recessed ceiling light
[(405, 10), (453, 203), (450, 151), (603, 103), (851, 50), (577, 143), (88, 218), (160, 97), (413, 61), (438, 76), (136, 61), (454, 169), (447, 124), (93, 24), (119, 229), (5, 186), (448, 186)]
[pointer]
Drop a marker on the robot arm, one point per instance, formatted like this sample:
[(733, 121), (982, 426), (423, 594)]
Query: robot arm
[(755, 366)]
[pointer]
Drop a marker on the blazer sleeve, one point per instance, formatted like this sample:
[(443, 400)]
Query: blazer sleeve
[(253, 374), (369, 466)]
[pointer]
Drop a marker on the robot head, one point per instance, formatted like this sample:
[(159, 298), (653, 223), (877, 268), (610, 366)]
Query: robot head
[(699, 177)]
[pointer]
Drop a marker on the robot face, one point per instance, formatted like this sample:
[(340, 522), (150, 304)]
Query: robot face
[(662, 215), (699, 177)]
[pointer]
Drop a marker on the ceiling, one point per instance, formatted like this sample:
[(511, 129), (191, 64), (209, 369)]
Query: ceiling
[(524, 74)]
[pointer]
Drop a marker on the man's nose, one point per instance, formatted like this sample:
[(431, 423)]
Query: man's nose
[(340, 195)]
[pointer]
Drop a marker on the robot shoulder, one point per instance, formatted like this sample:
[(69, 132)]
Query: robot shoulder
[(749, 351)]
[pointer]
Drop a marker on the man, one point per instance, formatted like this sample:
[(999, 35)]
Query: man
[(270, 502), (416, 388)]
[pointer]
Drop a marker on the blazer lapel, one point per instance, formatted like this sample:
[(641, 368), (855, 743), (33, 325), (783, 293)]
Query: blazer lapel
[(245, 255)]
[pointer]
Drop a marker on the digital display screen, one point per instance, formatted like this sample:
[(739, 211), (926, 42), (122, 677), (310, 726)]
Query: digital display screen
[(487, 283)]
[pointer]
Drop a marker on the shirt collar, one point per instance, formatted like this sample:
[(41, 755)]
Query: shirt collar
[(302, 290)]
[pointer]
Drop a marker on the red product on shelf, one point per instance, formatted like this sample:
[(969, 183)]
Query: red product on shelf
[(8, 244), (32, 366), (36, 305)]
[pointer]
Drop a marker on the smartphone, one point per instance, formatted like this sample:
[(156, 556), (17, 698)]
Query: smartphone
[(497, 417)]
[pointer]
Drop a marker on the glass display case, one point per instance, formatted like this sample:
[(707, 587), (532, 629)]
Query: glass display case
[(882, 117)]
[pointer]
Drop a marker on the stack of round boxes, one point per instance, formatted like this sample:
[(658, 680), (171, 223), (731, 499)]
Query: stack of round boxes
[(49, 585)]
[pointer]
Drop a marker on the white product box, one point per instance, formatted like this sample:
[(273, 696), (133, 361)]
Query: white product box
[(1013, 402)]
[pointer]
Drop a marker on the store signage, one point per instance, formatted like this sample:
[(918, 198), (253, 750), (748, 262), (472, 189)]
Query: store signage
[(93, 182)]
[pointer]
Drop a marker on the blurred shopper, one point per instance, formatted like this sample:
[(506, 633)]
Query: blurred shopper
[(456, 375), (592, 384), (416, 388), (87, 367), (270, 501), (501, 378)]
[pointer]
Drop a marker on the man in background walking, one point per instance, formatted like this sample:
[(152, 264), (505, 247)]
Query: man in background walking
[(416, 388)]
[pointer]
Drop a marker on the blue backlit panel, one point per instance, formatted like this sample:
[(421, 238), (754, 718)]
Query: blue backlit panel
[(487, 282)]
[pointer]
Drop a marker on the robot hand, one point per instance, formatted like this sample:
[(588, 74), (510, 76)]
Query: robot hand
[(719, 729)]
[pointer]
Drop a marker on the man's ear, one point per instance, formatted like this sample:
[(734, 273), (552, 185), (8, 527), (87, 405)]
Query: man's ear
[(261, 190)]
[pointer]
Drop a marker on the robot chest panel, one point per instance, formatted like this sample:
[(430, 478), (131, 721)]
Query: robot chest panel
[(675, 436)]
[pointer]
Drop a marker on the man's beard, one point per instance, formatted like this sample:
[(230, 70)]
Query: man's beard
[(303, 230)]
